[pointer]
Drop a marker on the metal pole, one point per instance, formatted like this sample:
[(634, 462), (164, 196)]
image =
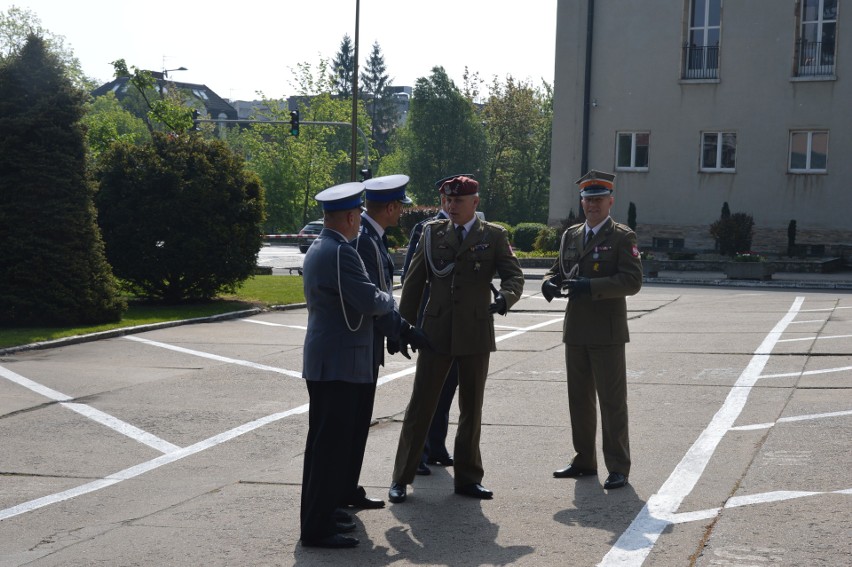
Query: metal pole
[(354, 159)]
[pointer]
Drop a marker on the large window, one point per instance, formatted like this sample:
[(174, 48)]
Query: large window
[(631, 152), (808, 151), (701, 50), (718, 151), (817, 37)]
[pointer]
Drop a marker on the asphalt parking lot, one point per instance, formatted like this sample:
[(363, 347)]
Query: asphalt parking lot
[(183, 445)]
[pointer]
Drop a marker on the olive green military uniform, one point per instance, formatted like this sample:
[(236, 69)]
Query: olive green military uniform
[(594, 333), (460, 327)]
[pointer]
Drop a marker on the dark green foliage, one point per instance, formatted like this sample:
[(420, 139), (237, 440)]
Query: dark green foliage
[(526, 233), (52, 266), (181, 217), (733, 233), (791, 238), (447, 137), (413, 215), (547, 239), (631, 216), (509, 228), (726, 211)]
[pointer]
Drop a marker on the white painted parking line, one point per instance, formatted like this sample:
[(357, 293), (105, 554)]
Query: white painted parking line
[(748, 500), (807, 372), (636, 542), (268, 324), (216, 357), (122, 427), (147, 466), (821, 338), (791, 419), (88, 411), (34, 386)]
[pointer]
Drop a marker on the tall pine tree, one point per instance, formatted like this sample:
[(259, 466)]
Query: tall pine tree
[(376, 93), (343, 68), (52, 265)]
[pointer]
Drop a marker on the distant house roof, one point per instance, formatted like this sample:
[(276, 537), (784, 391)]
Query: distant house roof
[(215, 105)]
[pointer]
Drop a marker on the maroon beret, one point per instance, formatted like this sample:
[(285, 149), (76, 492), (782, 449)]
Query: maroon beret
[(460, 185)]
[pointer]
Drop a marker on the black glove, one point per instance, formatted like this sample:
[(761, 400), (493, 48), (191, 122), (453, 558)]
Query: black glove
[(578, 287), (395, 347), (414, 337), (499, 306), (550, 290)]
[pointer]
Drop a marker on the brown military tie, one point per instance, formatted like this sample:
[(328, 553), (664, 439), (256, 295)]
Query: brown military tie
[(589, 235)]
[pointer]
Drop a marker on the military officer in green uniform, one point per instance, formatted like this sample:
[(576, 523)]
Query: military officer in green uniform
[(597, 268), (458, 258)]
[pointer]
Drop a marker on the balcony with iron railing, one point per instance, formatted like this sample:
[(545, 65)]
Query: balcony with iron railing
[(814, 58), (700, 62)]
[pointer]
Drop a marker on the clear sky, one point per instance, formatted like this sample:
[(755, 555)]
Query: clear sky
[(240, 47)]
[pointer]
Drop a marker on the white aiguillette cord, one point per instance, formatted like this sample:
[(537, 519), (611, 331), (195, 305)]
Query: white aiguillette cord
[(340, 291)]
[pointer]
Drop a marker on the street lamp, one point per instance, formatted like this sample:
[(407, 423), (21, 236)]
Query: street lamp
[(166, 71)]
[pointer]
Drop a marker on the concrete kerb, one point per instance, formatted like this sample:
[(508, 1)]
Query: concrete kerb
[(694, 278)]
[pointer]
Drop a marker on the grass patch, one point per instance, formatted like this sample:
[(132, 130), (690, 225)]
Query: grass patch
[(258, 291)]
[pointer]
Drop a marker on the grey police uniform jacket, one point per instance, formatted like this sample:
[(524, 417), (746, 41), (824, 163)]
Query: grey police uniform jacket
[(379, 266), (332, 269), (456, 317), (611, 261)]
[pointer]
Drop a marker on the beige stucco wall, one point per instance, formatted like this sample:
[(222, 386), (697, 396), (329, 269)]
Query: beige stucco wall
[(636, 85)]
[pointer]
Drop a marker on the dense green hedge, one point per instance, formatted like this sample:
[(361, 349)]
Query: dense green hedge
[(526, 233), (181, 217)]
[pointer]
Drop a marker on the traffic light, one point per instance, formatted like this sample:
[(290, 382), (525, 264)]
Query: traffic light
[(294, 123), (195, 116), (366, 174)]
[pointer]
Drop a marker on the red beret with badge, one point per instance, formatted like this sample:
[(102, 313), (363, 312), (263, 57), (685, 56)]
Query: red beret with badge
[(460, 185)]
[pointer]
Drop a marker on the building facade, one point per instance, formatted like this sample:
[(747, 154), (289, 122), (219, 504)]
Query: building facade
[(697, 103)]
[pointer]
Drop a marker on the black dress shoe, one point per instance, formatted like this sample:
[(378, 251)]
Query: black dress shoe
[(474, 491), (360, 500), (615, 480), (335, 541), (396, 494), (344, 527), (422, 469), (572, 472), (446, 461)]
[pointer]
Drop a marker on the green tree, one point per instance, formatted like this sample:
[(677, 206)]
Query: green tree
[(446, 135), (293, 169), (52, 265), (181, 216), (17, 24), (518, 121), (106, 122), (381, 105), (343, 68)]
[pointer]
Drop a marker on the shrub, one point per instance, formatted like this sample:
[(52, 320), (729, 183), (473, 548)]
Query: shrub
[(526, 233), (509, 228), (181, 217), (413, 215), (733, 233), (53, 271), (547, 240)]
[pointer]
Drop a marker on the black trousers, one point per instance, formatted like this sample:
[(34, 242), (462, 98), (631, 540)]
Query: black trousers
[(334, 408), (361, 426), (436, 439)]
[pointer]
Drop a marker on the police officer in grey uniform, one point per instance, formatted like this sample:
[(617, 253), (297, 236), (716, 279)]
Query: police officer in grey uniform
[(338, 362), (458, 257), (597, 268)]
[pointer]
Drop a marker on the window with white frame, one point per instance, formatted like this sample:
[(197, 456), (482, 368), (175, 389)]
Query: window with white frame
[(817, 37), (718, 151), (808, 151), (631, 152), (701, 53)]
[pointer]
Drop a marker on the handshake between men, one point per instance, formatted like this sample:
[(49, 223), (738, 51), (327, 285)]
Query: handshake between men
[(409, 336), (572, 289)]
